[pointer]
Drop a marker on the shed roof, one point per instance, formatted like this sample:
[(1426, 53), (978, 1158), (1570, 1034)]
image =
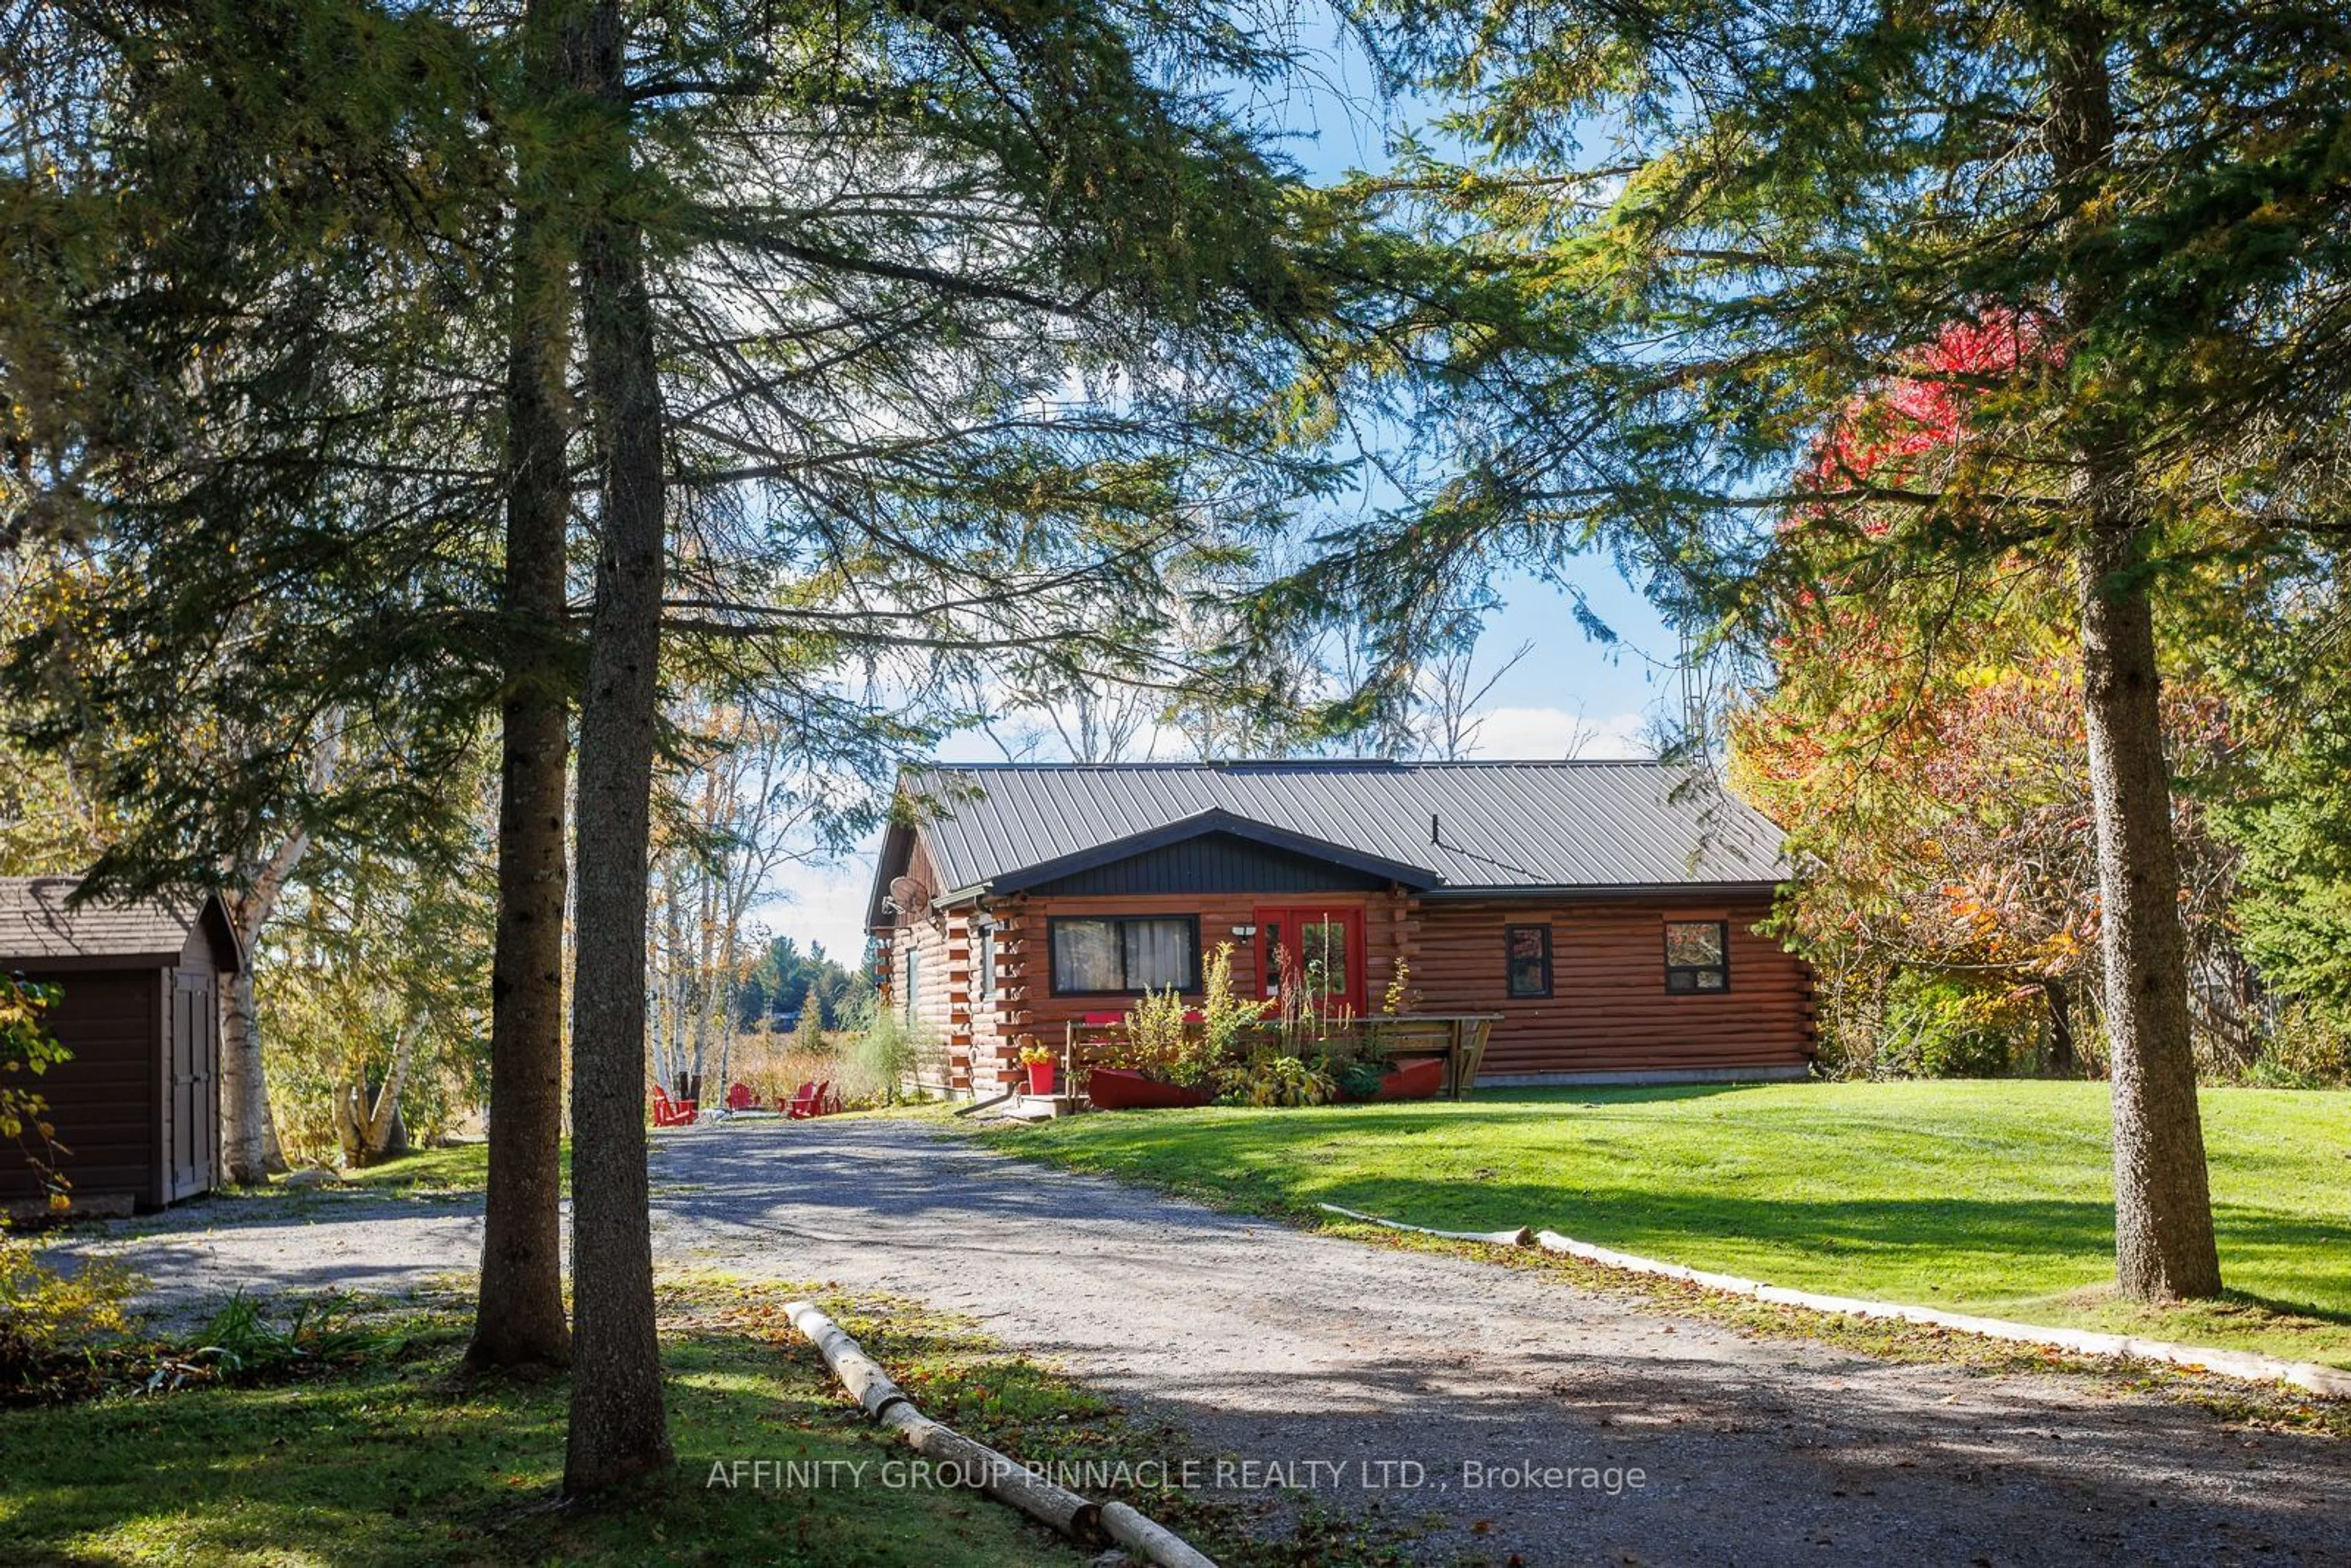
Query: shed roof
[(37, 929), (1463, 826)]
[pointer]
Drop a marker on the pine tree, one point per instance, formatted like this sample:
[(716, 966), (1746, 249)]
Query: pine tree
[(1729, 223)]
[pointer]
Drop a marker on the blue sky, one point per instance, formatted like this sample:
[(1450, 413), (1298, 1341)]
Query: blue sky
[(1569, 693)]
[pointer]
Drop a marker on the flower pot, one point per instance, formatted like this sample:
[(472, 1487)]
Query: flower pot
[(1040, 1076), (1120, 1089)]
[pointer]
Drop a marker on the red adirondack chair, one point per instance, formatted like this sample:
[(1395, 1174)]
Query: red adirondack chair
[(796, 1097), (813, 1100), (740, 1098), (669, 1113)]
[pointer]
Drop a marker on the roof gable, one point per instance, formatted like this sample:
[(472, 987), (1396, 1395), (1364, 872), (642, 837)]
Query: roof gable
[(1202, 824), (40, 926)]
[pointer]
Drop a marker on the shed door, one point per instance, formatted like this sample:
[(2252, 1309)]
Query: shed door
[(193, 1124)]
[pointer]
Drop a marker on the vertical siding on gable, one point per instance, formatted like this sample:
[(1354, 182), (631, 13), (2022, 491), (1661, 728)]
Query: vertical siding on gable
[(1209, 863)]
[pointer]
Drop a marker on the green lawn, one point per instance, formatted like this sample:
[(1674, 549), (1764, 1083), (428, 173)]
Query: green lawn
[(380, 1457), (463, 1167), (1991, 1197), (390, 1462)]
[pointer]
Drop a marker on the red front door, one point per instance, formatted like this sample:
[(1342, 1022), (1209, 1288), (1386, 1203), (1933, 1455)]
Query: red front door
[(1319, 949)]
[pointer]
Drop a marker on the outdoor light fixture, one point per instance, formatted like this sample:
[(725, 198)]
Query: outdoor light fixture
[(1244, 930)]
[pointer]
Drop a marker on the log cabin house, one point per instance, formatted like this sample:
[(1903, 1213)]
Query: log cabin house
[(1605, 910)]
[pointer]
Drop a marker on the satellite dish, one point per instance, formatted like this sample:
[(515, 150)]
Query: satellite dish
[(907, 893)]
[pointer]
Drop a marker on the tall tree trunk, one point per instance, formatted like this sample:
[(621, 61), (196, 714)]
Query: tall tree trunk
[(248, 1139), (2062, 1058), (372, 1131), (518, 1319), (244, 1092), (618, 1429), (2163, 1245)]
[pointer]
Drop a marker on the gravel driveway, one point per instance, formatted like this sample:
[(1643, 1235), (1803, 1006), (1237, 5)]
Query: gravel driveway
[(1408, 1379)]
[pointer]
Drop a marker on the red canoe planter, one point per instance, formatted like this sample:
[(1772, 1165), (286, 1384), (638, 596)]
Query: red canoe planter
[(1415, 1078), (1119, 1089)]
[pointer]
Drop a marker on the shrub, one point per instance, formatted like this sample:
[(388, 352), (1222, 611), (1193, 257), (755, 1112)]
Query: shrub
[(1357, 1079), (52, 1324), (880, 1059), (2308, 1048), (1270, 1078), (1227, 1018), (26, 1050), (1940, 1026)]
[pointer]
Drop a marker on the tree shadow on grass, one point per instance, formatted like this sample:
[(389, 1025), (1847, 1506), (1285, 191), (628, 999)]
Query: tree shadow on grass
[(401, 1465)]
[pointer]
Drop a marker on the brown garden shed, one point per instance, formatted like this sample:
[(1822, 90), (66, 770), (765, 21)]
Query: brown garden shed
[(137, 1108)]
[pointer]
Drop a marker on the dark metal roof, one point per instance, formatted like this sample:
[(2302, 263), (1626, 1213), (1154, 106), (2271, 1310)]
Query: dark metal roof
[(36, 928), (1499, 826)]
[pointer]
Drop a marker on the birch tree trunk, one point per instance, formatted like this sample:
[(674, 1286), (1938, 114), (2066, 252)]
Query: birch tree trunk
[(2164, 1245), (518, 1318), (249, 1137), (244, 1091), (371, 1132), (618, 1427)]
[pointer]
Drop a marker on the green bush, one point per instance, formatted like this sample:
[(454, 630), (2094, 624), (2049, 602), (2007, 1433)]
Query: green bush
[(52, 1324), (1357, 1079), (1937, 1026), (880, 1058), (1270, 1079), (2310, 1047)]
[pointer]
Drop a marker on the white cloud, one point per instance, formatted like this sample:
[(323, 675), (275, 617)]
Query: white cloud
[(822, 904), (1549, 733)]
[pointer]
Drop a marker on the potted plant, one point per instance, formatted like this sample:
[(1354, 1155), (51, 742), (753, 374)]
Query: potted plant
[(1039, 1060)]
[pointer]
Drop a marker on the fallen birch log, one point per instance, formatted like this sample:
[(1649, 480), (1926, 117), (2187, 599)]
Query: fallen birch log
[(966, 1461), (857, 1371), (1150, 1540), (1522, 1236), (2248, 1364)]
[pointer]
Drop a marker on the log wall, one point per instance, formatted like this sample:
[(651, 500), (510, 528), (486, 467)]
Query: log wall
[(1609, 1010)]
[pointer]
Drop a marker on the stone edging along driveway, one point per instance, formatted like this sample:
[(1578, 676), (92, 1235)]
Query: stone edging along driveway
[(2250, 1365)]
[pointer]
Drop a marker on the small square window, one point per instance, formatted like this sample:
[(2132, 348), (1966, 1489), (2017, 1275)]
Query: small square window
[(1528, 951), (1697, 955)]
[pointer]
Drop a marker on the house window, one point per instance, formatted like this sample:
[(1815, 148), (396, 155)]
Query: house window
[(1528, 948), (914, 979), (1125, 954), (985, 958), (1697, 955)]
